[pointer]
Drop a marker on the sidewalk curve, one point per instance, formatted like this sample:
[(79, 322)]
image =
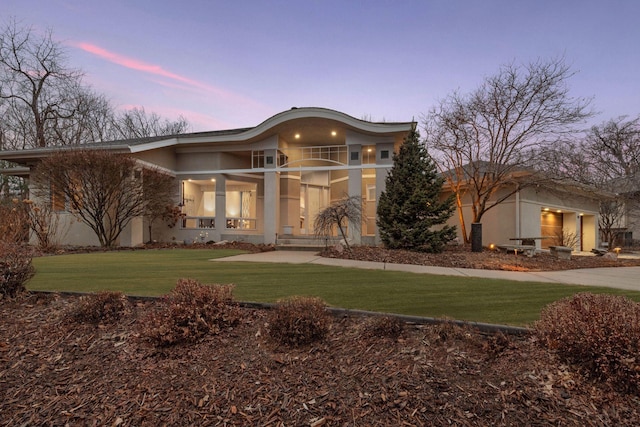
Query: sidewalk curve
[(615, 277)]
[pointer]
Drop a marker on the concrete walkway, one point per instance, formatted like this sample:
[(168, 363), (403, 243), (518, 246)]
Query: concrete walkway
[(615, 277)]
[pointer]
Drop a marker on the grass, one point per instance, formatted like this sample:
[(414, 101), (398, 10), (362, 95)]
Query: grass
[(155, 273)]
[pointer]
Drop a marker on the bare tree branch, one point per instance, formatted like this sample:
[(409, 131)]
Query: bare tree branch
[(481, 140)]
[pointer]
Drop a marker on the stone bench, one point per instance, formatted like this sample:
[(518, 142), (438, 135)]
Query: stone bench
[(560, 252), (528, 250)]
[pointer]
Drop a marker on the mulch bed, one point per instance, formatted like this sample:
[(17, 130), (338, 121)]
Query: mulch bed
[(57, 372), (462, 257)]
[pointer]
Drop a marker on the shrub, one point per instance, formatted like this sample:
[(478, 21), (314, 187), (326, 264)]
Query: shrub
[(599, 333), (497, 344), (15, 268), (191, 311), (299, 320), (101, 307), (384, 326), (14, 227)]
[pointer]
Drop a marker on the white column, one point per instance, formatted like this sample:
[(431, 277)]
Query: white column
[(271, 206), (355, 189), (221, 205)]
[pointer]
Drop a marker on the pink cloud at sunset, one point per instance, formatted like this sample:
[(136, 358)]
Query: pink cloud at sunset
[(158, 71)]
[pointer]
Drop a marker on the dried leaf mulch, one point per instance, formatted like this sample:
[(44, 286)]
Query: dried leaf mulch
[(56, 372), (462, 257)]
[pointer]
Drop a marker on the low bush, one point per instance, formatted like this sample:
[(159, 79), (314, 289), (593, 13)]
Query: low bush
[(101, 307), (598, 333), (299, 320), (14, 227), (191, 311), (497, 344), (384, 326), (15, 268)]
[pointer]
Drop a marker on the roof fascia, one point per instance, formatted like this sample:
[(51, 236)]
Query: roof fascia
[(285, 116), (19, 156)]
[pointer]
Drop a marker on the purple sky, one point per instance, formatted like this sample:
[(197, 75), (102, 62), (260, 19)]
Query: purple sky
[(228, 64)]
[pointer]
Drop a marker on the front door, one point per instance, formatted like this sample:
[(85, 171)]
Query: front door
[(313, 198)]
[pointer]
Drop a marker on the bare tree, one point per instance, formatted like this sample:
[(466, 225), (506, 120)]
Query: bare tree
[(481, 141), (160, 190), (91, 123), (137, 123), (613, 149), (607, 159), (610, 219), (36, 83), (610, 153), (44, 103), (102, 189), (339, 214)]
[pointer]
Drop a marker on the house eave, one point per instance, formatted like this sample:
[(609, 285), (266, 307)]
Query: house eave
[(250, 134), (31, 156), (19, 171)]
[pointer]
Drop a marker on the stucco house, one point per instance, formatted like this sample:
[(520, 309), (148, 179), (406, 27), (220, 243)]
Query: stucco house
[(267, 182), (544, 213)]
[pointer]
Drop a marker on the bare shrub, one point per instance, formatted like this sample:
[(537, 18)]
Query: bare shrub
[(298, 321), (497, 344), (44, 222), (14, 227), (448, 330), (191, 311), (566, 238), (599, 333), (101, 307), (15, 268), (344, 213), (384, 326)]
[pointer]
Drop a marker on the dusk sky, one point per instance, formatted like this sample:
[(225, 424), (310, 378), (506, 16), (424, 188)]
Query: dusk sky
[(229, 64)]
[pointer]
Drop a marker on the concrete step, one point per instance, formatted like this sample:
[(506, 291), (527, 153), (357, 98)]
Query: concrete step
[(303, 243)]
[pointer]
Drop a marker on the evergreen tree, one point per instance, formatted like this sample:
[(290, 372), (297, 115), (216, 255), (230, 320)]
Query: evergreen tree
[(410, 207)]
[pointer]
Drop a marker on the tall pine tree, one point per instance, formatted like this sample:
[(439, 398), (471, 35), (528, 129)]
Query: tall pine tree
[(410, 207)]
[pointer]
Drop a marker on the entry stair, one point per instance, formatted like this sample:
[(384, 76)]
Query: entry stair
[(304, 243)]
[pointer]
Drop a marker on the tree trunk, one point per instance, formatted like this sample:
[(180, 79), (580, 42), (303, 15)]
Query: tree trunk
[(463, 227)]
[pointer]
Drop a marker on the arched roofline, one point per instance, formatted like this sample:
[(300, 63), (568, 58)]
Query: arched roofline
[(242, 135)]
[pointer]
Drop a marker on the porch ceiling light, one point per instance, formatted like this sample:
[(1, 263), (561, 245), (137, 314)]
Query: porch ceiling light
[(297, 136), (546, 209), (559, 211), (334, 133)]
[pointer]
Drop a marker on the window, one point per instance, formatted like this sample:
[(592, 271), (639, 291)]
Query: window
[(384, 154), (241, 208), (198, 203), (371, 192), (57, 200)]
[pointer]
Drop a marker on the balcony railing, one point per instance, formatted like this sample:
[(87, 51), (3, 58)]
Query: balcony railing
[(337, 154), (241, 223), (209, 222)]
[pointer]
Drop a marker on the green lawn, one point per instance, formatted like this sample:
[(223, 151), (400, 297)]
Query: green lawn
[(156, 272)]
